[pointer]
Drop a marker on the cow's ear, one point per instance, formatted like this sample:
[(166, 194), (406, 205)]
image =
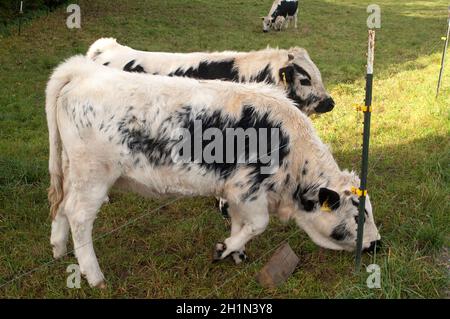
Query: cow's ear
[(287, 73), (329, 198)]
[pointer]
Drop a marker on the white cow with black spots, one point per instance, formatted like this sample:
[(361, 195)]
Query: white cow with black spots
[(280, 15), (292, 70), (109, 128)]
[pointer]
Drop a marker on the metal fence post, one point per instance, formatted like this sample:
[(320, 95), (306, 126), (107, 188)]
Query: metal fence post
[(362, 192), (20, 16), (444, 53)]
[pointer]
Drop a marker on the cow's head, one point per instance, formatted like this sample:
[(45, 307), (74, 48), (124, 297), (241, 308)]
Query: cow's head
[(330, 217), (303, 83), (279, 23), (267, 23)]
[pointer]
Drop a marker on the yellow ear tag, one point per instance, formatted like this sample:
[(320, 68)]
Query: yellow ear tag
[(325, 207), (284, 79), (358, 191)]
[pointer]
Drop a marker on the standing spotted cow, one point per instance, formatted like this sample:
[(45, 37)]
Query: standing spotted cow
[(280, 15), (109, 128), (291, 70)]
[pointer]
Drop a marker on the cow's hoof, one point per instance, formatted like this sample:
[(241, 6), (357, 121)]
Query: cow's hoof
[(218, 251), (100, 285), (239, 256), (95, 280), (59, 251)]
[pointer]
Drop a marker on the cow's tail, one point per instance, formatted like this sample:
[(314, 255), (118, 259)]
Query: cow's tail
[(100, 46), (55, 191), (60, 78)]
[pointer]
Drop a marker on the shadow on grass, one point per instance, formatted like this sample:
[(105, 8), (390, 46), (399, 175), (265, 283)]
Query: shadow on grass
[(407, 184)]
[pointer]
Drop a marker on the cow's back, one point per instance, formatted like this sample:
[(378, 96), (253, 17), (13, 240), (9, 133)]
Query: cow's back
[(136, 118)]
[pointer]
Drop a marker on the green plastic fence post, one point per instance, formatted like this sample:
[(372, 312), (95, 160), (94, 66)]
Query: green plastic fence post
[(365, 147), (444, 53)]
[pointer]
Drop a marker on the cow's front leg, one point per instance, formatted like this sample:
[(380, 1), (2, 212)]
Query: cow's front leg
[(236, 226), (288, 22), (223, 207), (255, 217)]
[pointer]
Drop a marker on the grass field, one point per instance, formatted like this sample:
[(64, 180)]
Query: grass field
[(167, 252)]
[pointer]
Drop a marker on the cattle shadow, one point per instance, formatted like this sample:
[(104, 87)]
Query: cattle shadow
[(407, 182)]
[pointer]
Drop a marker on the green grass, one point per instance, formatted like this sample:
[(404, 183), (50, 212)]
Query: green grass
[(167, 253)]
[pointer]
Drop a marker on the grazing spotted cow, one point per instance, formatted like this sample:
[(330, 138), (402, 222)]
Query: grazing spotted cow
[(280, 15), (292, 70), (112, 128)]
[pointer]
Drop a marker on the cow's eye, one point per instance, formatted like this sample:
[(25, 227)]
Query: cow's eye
[(305, 82)]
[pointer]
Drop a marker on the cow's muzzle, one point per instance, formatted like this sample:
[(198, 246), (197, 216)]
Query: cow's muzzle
[(325, 106), (374, 246)]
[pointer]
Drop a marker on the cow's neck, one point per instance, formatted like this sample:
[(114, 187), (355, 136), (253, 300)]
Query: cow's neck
[(319, 170), (271, 60)]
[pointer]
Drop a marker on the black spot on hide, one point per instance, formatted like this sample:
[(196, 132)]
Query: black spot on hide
[(224, 210), (264, 76), (248, 119), (286, 181), (301, 70), (340, 232), (157, 148), (130, 67), (300, 198), (214, 70), (285, 8)]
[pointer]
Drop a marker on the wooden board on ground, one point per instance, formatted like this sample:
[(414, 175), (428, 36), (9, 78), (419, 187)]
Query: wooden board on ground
[(279, 267)]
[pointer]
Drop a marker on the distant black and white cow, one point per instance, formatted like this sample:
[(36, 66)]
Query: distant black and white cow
[(291, 70), (280, 15), (112, 128)]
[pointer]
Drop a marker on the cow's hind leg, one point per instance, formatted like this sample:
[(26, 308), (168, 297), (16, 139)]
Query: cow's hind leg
[(255, 217), (60, 224), (59, 235), (89, 186)]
